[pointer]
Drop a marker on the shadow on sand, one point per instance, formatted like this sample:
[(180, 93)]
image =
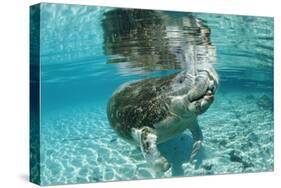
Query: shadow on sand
[(178, 150)]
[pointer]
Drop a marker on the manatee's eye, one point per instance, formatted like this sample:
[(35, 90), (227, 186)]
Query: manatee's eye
[(181, 80)]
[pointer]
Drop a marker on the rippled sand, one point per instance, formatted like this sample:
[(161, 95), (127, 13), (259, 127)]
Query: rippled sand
[(78, 145)]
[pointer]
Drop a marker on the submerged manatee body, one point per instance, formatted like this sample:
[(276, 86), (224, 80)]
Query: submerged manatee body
[(152, 111)]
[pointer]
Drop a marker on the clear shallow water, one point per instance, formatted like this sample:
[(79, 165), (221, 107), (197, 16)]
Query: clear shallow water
[(82, 65)]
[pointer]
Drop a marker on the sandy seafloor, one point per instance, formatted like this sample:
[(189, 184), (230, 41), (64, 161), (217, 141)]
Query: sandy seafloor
[(78, 145)]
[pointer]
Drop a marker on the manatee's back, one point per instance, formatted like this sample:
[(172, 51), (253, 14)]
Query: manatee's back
[(139, 104)]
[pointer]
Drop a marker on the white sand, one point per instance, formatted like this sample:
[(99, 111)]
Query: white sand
[(78, 145)]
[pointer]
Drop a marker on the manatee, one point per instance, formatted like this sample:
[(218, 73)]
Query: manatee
[(151, 111)]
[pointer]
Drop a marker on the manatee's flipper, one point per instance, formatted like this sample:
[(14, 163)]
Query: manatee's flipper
[(148, 144), (197, 140)]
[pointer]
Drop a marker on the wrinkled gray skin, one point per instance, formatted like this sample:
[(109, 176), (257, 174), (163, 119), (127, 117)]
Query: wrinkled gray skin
[(155, 110)]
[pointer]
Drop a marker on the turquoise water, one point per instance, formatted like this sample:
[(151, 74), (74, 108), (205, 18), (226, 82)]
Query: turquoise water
[(80, 70)]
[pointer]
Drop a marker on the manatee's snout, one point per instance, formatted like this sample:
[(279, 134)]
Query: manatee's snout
[(200, 87), (208, 98), (205, 84), (201, 105), (213, 84)]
